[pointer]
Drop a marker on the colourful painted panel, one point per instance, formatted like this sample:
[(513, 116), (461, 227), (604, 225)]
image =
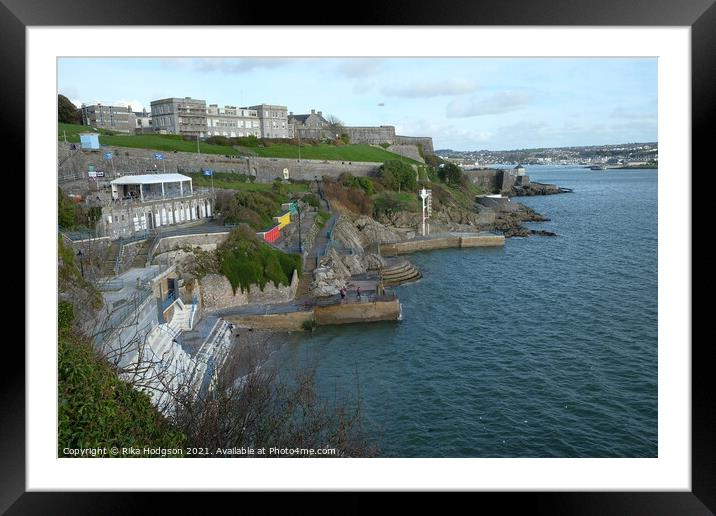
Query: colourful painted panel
[(283, 220)]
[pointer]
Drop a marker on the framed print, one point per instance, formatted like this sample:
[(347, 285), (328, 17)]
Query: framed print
[(250, 234)]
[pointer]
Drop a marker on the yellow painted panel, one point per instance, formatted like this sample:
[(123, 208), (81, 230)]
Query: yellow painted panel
[(283, 220)]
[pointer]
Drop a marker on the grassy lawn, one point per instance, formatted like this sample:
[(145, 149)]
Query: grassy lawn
[(230, 181), (173, 142), (163, 142), (357, 152)]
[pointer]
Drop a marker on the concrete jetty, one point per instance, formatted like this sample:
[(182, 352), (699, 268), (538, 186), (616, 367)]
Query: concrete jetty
[(443, 241)]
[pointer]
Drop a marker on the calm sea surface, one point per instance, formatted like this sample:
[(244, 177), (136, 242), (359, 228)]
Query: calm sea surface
[(544, 348)]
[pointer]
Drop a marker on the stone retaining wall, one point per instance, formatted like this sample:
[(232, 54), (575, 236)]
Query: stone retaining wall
[(217, 293)]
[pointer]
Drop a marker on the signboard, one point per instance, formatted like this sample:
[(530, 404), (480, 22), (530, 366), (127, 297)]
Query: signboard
[(208, 172), (107, 156), (285, 173), (91, 171), (158, 156), (100, 173)]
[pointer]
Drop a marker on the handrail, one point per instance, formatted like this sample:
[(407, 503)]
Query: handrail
[(170, 299)]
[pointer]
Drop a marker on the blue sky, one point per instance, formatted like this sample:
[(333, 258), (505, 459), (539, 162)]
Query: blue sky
[(463, 103)]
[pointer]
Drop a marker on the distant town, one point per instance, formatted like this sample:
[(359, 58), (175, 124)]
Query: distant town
[(630, 155)]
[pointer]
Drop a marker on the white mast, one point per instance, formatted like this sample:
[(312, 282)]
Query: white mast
[(427, 197)]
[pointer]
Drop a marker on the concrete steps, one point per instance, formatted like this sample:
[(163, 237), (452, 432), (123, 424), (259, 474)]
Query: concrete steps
[(404, 272), (110, 260)]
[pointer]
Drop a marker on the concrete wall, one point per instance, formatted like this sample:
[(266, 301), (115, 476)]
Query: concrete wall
[(291, 321), (217, 293), (358, 312), (464, 240)]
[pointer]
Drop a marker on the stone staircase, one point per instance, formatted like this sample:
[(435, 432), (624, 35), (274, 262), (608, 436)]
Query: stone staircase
[(110, 261), (403, 272), (304, 285)]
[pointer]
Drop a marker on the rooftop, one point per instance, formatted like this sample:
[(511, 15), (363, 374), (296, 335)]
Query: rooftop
[(145, 179)]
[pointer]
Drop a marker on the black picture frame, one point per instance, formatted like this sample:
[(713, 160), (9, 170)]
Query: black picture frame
[(700, 15)]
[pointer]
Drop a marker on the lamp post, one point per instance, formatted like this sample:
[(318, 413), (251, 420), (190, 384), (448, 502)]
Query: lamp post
[(82, 268), (298, 210)]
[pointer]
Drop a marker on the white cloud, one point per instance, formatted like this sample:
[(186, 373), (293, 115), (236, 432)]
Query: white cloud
[(427, 89), (496, 104), (358, 68), (225, 65)]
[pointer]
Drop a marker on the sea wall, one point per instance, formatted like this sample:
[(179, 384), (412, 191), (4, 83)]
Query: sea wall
[(368, 311), (290, 321), (443, 242)]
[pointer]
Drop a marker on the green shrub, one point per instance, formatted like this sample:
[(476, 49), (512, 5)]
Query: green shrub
[(248, 141), (245, 260), (311, 200), (397, 175)]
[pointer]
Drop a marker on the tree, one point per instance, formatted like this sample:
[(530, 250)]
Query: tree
[(67, 113), (335, 126), (397, 175), (451, 173)]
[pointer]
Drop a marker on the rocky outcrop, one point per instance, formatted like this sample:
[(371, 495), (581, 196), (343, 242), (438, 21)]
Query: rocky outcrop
[(361, 232), (330, 276), (536, 189), (335, 270)]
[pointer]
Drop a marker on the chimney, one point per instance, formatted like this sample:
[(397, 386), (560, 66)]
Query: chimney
[(290, 113), (313, 111), (320, 113)]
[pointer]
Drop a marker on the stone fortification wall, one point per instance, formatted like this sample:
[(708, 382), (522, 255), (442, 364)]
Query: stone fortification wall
[(217, 293), (425, 141), (371, 135), (492, 180), (139, 161)]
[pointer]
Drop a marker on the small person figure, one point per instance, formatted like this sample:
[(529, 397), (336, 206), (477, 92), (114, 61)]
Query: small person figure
[(343, 294), (358, 293)]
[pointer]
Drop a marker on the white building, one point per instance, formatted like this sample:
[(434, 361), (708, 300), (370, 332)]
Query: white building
[(152, 187), (146, 202), (232, 122)]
